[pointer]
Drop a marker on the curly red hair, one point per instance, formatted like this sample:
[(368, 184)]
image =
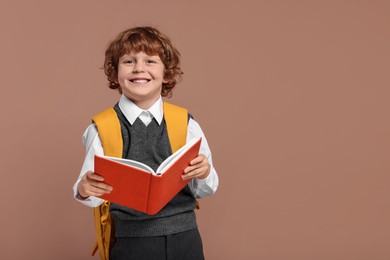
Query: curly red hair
[(150, 41)]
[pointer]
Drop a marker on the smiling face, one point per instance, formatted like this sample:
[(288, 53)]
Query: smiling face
[(140, 77)]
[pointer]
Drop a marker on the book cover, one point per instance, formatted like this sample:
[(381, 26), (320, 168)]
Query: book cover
[(137, 186)]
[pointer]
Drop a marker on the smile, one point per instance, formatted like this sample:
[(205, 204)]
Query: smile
[(140, 81)]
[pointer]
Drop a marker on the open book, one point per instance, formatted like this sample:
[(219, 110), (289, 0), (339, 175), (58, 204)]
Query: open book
[(137, 186)]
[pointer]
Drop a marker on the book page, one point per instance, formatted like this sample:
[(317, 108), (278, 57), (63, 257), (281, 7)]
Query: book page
[(135, 164), (174, 157)]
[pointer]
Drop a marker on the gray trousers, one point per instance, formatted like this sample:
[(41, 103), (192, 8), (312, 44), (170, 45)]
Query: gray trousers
[(185, 245)]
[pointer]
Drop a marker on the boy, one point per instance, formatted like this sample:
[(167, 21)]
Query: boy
[(144, 66)]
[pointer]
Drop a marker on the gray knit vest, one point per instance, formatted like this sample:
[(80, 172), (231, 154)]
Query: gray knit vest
[(150, 145)]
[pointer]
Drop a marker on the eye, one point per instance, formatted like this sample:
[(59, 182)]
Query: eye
[(128, 61), (150, 61)]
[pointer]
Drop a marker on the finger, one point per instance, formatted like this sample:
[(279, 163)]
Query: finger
[(95, 192), (202, 164), (194, 173), (188, 169), (100, 189), (191, 168), (102, 186), (198, 159), (90, 191), (93, 176)]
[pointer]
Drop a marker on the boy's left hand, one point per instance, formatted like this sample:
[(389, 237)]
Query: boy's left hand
[(199, 168)]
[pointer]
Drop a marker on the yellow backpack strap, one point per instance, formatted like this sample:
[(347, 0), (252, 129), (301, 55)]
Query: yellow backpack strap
[(176, 119), (110, 135), (103, 227)]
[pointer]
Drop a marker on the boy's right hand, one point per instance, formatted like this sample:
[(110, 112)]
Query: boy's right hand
[(92, 185)]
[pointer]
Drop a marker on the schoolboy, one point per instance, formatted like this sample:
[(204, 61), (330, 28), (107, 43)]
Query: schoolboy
[(144, 66)]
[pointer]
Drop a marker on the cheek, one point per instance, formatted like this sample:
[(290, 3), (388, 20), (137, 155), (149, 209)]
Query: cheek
[(121, 79), (121, 75)]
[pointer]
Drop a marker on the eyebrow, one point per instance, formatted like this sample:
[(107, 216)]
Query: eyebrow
[(127, 56)]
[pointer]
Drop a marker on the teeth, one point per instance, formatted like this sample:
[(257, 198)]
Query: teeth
[(140, 81)]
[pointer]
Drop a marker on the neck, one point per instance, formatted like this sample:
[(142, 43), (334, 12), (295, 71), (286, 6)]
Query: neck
[(144, 104)]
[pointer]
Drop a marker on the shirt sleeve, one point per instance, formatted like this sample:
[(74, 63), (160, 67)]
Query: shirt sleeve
[(208, 186), (93, 145)]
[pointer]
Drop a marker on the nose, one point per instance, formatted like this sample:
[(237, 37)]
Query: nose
[(138, 67)]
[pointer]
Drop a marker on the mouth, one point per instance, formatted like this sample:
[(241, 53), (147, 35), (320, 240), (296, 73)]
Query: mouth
[(140, 80)]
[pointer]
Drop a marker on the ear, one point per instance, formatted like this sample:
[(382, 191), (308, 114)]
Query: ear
[(165, 80)]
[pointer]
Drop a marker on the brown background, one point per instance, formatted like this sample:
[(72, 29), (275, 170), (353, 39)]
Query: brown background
[(292, 95)]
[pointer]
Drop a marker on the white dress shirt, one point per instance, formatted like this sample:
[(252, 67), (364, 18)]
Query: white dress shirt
[(91, 140)]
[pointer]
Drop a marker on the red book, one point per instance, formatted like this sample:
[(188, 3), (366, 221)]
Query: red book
[(137, 186)]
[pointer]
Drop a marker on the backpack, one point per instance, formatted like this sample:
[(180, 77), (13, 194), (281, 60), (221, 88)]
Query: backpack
[(109, 128)]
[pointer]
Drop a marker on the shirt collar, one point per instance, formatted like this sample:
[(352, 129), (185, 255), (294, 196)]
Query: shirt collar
[(132, 111)]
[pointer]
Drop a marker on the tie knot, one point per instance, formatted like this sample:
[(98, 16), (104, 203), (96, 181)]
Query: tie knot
[(146, 117)]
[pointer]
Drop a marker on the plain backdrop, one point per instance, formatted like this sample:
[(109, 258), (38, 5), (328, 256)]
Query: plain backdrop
[(293, 97)]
